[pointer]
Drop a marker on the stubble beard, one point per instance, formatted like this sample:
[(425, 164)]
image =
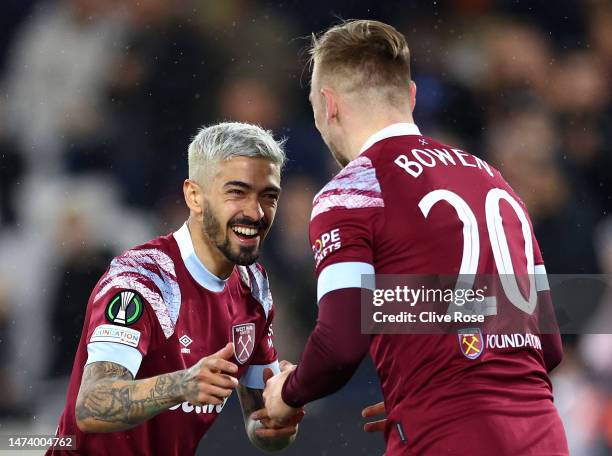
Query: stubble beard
[(213, 231)]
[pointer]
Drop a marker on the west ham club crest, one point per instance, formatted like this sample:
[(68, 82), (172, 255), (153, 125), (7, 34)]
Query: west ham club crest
[(471, 342), (244, 341)]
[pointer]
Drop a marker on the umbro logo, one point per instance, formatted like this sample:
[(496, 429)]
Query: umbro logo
[(422, 141), (185, 341)]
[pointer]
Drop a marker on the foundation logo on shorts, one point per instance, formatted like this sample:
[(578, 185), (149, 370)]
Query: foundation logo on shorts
[(124, 308), (244, 341), (471, 342)]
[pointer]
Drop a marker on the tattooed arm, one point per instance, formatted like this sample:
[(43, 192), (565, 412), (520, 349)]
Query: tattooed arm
[(110, 400)]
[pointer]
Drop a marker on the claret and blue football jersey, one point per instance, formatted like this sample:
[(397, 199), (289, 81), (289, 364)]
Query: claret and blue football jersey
[(157, 309), (409, 204)]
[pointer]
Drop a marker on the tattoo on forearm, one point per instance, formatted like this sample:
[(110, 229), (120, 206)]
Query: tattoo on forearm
[(109, 394)]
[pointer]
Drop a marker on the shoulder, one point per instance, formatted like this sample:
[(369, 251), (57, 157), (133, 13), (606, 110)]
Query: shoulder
[(356, 186), (255, 278), (152, 260), (148, 270)]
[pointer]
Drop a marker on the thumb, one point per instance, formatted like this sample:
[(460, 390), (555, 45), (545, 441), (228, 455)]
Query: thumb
[(225, 353), (286, 365), (267, 374)]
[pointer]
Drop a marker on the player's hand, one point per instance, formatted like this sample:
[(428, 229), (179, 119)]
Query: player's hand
[(279, 414), (210, 380), (371, 411), (261, 415), (269, 431)]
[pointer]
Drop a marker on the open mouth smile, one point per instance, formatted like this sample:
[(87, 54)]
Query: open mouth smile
[(245, 233)]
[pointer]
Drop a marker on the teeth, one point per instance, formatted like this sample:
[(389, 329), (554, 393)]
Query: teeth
[(244, 230)]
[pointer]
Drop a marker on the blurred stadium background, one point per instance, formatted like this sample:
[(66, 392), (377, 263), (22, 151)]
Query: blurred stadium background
[(99, 99)]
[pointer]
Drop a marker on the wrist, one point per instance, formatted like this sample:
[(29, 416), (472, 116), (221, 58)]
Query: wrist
[(180, 392), (288, 395)]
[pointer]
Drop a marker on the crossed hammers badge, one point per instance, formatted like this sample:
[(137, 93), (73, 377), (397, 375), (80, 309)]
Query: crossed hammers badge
[(244, 341), (471, 342)]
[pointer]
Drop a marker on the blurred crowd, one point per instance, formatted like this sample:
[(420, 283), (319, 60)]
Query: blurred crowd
[(99, 100)]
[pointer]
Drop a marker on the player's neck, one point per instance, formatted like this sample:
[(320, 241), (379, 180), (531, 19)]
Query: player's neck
[(208, 254), (367, 127)]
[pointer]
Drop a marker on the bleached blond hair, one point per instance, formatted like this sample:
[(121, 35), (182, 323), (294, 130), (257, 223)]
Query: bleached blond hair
[(217, 143)]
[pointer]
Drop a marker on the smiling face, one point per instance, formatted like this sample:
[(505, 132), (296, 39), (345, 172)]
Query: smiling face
[(238, 206)]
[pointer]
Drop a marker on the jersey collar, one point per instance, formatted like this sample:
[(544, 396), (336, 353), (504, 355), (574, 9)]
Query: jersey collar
[(193, 264), (396, 129)]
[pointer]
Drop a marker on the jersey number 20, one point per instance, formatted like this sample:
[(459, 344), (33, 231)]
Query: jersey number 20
[(499, 243)]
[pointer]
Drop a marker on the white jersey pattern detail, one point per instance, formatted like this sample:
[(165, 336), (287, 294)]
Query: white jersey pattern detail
[(257, 281), (127, 271), (356, 186)]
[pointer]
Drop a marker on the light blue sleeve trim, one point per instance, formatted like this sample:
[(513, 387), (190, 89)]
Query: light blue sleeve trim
[(113, 352), (253, 378), (541, 279), (344, 275)]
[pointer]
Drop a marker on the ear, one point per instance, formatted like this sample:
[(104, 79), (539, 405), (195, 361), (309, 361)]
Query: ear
[(331, 104), (412, 89), (193, 196)]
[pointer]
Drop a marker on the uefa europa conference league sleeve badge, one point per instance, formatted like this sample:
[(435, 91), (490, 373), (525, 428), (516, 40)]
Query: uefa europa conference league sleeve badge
[(125, 308)]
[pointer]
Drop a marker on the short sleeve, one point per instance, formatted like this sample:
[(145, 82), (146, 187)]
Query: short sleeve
[(120, 327), (341, 236), (342, 243), (343, 225), (134, 304)]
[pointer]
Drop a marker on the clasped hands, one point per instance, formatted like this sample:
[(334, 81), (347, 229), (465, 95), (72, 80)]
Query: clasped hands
[(278, 418)]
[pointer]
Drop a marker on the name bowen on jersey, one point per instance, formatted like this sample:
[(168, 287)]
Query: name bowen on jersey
[(411, 205)]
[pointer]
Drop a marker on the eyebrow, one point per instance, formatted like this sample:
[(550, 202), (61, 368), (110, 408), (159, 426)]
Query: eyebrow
[(246, 186)]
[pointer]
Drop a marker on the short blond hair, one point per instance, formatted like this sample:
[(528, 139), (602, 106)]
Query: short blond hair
[(364, 54), (226, 140)]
